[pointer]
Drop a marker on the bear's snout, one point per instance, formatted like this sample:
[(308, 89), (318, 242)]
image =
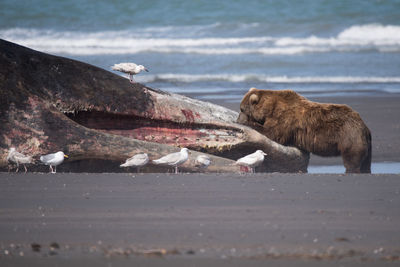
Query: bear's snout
[(242, 119)]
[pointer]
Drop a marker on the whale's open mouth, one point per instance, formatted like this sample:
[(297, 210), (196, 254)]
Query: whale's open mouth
[(197, 136)]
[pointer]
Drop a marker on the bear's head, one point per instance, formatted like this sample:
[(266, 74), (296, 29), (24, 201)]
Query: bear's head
[(258, 106), (254, 107)]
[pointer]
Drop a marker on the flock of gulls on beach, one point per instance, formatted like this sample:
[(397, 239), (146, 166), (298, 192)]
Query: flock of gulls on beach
[(139, 160)]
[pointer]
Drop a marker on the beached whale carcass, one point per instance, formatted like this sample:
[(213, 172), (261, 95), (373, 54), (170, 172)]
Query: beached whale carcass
[(51, 103)]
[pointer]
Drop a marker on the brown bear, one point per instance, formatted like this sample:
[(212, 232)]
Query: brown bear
[(323, 129)]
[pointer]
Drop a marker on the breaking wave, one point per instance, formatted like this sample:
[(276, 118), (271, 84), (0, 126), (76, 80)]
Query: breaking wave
[(382, 38), (191, 78)]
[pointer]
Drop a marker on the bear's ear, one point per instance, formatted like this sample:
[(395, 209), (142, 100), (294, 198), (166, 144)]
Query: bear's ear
[(253, 99), (252, 89)]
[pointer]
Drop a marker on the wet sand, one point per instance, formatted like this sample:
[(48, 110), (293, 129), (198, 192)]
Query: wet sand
[(199, 219)]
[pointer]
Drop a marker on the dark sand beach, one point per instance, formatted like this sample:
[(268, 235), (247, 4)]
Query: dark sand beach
[(196, 219)]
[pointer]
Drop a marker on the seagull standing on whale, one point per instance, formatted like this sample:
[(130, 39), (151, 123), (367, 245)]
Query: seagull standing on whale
[(129, 68)]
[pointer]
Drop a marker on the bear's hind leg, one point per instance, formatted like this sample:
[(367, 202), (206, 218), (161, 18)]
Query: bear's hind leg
[(352, 162), (366, 163), (357, 161)]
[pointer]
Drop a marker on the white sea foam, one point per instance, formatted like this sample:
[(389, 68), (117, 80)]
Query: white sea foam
[(372, 33), (362, 35), (353, 39), (235, 78)]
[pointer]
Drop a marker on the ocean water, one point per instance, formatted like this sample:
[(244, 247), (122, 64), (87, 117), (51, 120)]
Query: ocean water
[(376, 168), (217, 50)]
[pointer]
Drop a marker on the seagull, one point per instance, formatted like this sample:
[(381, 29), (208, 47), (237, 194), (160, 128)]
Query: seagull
[(137, 160), (174, 159), (18, 158), (53, 159), (252, 160), (129, 68), (203, 161)]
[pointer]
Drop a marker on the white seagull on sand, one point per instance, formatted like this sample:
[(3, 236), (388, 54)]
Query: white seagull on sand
[(252, 160), (174, 159), (137, 160), (203, 161), (129, 68), (18, 158), (53, 159)]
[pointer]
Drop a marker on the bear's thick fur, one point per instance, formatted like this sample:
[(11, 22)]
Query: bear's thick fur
[(323, 129)]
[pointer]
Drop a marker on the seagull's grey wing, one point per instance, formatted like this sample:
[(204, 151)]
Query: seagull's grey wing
[(203, 160), (171, 158), (248, 160), (23, 159), (47, 158), (125, 67), (130, 159), (118, 67), (138, 159), (19, 155)]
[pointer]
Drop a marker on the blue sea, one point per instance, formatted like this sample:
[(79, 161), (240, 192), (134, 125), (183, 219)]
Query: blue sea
[(217, 50)]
